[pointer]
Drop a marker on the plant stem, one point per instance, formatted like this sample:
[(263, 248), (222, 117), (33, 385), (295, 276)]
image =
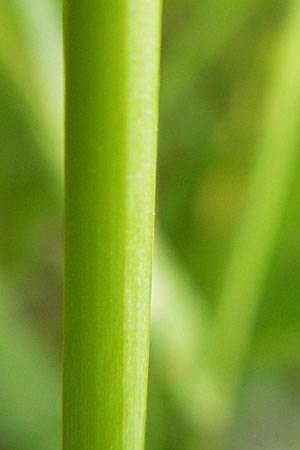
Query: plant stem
[(111, 85)]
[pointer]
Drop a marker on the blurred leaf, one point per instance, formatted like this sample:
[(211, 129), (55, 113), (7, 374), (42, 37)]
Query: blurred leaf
[(255, 241), (29, 388), (199, 41), (30, 52)]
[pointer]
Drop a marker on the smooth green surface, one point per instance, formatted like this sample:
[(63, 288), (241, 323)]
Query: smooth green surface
[(111, 82)]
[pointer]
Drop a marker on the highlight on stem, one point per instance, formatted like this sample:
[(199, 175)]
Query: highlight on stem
[(111, 108)]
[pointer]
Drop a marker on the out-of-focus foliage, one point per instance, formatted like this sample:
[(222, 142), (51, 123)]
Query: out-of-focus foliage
[(225, 355)]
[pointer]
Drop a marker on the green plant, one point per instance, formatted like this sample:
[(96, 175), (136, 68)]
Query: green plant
[(111, 84), (253, 247), (208, 395), (216, 56)]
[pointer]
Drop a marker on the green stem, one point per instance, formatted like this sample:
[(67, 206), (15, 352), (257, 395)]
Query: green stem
[(111, 82)]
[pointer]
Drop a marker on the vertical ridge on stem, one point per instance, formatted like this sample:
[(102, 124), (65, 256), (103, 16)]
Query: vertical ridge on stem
[(111, 73)]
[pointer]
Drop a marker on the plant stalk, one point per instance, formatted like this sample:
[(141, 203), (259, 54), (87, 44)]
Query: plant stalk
[(111, 109)]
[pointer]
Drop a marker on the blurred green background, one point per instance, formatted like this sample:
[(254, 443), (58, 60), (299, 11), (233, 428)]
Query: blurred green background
[(225, 352)]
